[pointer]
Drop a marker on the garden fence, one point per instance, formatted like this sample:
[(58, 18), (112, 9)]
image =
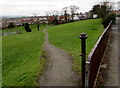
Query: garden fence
[(95, 57)]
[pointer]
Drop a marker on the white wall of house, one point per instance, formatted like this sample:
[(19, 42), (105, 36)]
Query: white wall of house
[(94, 15), (76, 17)]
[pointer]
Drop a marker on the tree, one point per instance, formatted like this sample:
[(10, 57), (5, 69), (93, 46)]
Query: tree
[(55, 14), (4, 23), (96, 9), (37, 22), (26, 26), (65, 10), (108, 18), (106, 8), (73, 9), (47, 16), (91, 14), (79, 15), (102, 9), (11, 25)]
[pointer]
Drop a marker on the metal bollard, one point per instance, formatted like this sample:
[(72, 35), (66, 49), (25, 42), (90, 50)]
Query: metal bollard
[(83, 38)]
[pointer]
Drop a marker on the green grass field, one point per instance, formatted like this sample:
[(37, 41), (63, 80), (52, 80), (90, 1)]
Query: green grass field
[(21, 61), (66, 37), (21, 28), (21, 53)]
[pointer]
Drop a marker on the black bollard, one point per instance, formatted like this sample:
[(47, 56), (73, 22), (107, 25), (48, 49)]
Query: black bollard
[(83, 38)]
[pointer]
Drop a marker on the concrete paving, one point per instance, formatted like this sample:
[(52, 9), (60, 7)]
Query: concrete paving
[(111, 75), (119, 50)]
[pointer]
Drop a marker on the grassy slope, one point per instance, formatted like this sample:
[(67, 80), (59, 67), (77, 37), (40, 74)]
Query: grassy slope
[(66, 37), (21, 28), (21, 58)]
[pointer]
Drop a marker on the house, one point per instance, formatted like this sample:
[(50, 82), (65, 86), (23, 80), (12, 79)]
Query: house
[(75, 17), (61, 18), (0, 25), (95, 15), (87, 15)]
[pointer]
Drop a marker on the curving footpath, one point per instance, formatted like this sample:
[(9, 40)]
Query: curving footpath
[(58, 70)]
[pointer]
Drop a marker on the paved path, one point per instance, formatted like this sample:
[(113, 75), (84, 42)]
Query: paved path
[(111, 75), (119, 50), (59, 70)]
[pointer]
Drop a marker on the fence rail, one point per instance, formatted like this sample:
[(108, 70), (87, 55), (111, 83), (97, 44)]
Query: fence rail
[(95, 56)]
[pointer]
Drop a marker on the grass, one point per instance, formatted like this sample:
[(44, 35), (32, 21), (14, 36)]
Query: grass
[(21, 28), (21, 61), (21, 53), (66, 37)]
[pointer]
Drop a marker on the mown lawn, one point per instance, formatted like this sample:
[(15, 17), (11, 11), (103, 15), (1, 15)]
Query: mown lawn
[(66, 37), (21, 53), (21, 28), (21, 61)]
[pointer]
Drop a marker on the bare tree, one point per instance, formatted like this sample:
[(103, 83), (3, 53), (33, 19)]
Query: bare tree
[(65, 10), (4, 22), (37, 19), (55, 14), (73, 9), (48, 14)]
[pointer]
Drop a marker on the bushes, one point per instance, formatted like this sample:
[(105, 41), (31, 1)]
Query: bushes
[(26, 25), (55, 21), (11, 25), (108, 18)]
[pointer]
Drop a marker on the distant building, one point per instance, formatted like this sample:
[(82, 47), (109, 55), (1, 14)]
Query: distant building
[(94, 15), (19, 20), (61, 18), (87, 15), (76, 17), (0, 25)]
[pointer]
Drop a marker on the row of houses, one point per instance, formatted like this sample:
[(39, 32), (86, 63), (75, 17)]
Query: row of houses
[(18, 21), (32, 20)]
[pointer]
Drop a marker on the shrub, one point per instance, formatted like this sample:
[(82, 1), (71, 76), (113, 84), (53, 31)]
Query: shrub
[(26, 25), (108, 18), (55, 21), (23, 24), (11, 25)]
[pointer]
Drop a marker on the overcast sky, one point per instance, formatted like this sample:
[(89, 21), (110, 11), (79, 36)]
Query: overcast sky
[(28, 7)]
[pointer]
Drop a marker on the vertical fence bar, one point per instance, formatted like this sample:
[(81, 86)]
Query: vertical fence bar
[(83, 38)]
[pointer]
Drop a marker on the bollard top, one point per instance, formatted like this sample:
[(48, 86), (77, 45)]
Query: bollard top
[(83, 36)]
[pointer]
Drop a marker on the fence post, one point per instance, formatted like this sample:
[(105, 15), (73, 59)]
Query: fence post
[(83, 38)]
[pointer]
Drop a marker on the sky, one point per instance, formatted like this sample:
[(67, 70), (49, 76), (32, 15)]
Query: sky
[(28, 7)]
